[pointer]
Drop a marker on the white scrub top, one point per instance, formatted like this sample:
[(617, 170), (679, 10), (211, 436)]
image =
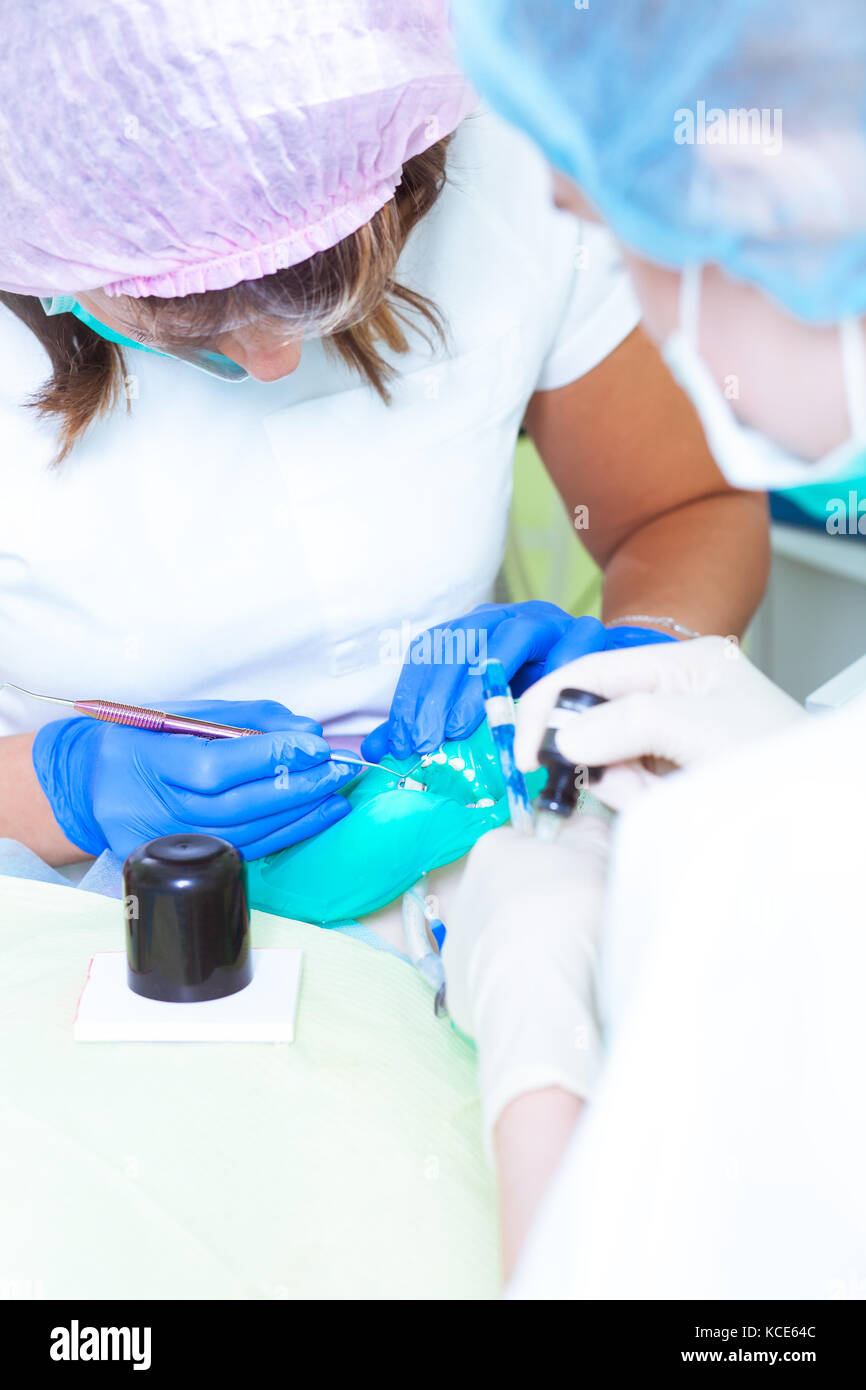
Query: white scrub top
[(282, 540)]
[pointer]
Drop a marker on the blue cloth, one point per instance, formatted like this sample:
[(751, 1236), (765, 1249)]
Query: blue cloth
[(103, 876), (358, 932), (17, 861), (636, 101)]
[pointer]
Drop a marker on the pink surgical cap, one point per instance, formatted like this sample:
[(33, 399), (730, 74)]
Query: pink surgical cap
[(167, 147)]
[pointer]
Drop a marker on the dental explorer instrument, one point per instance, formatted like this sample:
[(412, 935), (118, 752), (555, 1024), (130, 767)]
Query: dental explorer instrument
[(565, 781), (159, 722), (499, 706)]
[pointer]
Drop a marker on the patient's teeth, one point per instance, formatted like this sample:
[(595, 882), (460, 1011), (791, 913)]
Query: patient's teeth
[(469, 774), (486, 801), (440, 757), (457, 763)]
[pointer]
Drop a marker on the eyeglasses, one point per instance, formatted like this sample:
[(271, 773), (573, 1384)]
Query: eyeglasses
[(211, 362)]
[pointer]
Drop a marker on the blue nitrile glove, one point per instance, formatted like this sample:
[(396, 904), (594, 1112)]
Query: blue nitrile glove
[(112, 787), (439, 693)]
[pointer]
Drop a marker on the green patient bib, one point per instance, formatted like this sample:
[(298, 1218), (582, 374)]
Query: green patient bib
[(391, 836)]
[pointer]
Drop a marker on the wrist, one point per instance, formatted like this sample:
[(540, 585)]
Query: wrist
[(64, 756), (535, 1026), (667, 626)]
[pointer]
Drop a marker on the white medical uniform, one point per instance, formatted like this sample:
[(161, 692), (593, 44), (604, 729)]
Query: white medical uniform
[(278, 540), (724, 1155)]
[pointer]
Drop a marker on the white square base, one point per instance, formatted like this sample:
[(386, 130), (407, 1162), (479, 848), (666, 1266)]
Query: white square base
[(109, 1011)]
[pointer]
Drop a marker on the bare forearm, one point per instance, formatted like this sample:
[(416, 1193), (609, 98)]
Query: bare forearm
[(704, 564), (25, 813), (531, 1136), (626, 450)]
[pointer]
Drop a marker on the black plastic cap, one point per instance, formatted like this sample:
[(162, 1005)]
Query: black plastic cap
[(187, 919)]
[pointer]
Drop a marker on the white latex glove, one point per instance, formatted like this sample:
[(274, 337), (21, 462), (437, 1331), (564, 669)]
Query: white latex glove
[(520, 959), (681, 702)]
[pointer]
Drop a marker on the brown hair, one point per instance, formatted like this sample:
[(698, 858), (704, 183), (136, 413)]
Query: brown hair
[(348, 294)]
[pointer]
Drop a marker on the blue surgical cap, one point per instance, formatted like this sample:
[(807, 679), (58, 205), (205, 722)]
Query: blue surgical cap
[(730, 132)]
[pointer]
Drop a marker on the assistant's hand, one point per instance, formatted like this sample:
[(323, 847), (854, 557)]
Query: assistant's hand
[(112, 787), (683, 703), (520, 959), (439, 694)]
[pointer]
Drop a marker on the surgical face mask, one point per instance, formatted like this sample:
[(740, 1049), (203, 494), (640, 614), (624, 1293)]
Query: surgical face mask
[(747, 458), (211, 362)]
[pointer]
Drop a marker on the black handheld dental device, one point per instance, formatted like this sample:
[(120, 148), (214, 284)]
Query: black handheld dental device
[(565, 781)]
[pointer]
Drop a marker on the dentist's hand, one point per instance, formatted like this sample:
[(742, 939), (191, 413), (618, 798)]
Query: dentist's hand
[(439, 694), (112, 787), (682, 704), (520, 957)]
